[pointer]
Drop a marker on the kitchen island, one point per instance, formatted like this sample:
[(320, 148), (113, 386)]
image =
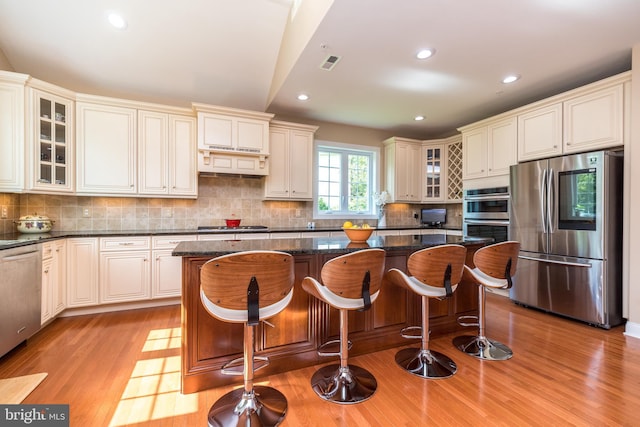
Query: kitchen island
[(292, 342)]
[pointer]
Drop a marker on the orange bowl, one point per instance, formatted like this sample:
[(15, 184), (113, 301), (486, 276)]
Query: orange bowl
[(358, 235)]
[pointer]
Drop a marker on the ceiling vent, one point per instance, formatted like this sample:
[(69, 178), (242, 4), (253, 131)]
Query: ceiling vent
[(330, 62)]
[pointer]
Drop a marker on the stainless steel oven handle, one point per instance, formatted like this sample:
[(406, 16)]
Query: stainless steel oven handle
[(485, 222), (488, 197), (552, 261)]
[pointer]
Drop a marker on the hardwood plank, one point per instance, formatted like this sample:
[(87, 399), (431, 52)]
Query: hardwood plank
[(117, 369)]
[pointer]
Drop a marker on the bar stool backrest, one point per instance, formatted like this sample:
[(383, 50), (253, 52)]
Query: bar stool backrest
[(225, 279), (492, 260), (343, 275), (429, 265)]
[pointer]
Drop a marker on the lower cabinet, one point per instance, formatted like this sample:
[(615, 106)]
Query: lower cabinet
[(112, 270), (82, 272), (166, 273)]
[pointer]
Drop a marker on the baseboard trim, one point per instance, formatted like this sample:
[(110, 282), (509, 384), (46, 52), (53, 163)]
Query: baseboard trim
[(107, 308), (632, 330)]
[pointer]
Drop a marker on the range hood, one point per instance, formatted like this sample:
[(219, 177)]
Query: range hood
[(232, 141)]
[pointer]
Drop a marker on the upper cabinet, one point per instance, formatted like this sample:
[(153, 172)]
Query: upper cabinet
[(489, 147), (130, 148), (12, 125), (106, 148), (166, 154), (594, 120), (442, 170), (540, 132), (290, 161), (589, 118), (50, 138), (453, 169), (232, 140), (403, 169), (433, 174)]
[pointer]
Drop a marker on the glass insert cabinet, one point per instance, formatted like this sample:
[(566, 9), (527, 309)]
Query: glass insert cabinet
[(52, 142)]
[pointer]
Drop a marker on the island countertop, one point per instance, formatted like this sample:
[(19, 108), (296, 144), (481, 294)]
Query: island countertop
[(319, 245)]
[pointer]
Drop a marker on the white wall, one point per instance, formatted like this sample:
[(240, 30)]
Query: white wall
[(4, 62), (631, 233)]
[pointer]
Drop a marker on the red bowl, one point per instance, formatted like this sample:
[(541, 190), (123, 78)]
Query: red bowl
[(232, 223)]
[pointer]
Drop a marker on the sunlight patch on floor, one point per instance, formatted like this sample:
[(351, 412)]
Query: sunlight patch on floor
[(162, 339), (153, 392)]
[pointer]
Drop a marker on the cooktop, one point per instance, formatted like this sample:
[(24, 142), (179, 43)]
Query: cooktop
[(233, 229)]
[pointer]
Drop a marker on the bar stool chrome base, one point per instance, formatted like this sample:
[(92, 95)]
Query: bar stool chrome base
[(264, 407), (482, 347), (426, 363), (352, 384)]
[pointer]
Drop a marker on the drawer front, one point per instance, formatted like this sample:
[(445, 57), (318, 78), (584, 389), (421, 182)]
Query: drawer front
[(124, 243), (47, 250), (170, 242)]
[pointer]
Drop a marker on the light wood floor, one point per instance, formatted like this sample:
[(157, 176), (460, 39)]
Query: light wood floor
[(123, 369)]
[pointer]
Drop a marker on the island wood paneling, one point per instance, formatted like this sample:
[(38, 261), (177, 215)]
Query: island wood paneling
[(306, 323)]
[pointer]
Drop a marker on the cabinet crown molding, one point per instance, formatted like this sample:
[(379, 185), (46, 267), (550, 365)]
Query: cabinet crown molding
[(227, 111)]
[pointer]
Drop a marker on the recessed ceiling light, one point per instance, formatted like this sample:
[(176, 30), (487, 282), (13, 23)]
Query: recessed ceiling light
[(510, 79), (117, 21), (418, 118), (303, 97), (425, 53)]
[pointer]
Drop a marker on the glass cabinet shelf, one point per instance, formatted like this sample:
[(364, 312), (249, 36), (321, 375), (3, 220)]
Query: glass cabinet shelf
[(53, 134)]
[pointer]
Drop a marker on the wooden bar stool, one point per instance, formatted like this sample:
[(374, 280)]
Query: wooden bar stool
[(495, 267), (434, 273), (247, 287), (349, 282)]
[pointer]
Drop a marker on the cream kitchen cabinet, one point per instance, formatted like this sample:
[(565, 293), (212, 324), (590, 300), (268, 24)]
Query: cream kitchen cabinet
[(453, 170), (125, 269), (82, 272), (54, 268), (540, 132), (433, 173), (12, 131), (166, 275), (489, 147), (50, 137), (403, 169), (595, 120), (232, 140), (106, 148), (166, 155), (290, 161)]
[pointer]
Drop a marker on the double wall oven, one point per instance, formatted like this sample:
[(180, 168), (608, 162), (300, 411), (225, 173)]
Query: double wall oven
[(486, 213)]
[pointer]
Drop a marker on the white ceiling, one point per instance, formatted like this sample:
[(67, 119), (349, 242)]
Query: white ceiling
[(227, 52)]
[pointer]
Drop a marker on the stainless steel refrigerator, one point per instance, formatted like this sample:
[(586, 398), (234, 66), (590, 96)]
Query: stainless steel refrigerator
[(566, 212)]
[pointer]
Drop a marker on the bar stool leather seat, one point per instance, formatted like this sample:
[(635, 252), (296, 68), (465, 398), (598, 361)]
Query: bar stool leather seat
[(435, 273), (495, 267), (247, 287), (349, 282)]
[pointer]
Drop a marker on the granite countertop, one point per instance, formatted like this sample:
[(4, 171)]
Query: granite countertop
[(11, 240), (315, 245)]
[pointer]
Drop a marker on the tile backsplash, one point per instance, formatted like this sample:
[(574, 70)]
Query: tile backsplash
[(219, 198)]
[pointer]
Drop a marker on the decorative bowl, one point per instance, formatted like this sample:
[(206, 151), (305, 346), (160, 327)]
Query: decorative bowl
[(34, 224), (358, 235), (233, 223)]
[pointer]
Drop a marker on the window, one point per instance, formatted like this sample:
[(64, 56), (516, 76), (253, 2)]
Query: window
[(345, 180)]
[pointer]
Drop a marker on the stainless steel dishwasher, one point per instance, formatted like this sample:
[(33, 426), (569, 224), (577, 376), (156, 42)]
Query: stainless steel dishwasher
[(20, 295)]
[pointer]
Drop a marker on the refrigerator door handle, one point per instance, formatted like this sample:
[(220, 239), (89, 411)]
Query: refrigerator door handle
[(554, 261), (543, 200), (551, 197)]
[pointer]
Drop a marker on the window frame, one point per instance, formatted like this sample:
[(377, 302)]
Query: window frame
[(374, 178)]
